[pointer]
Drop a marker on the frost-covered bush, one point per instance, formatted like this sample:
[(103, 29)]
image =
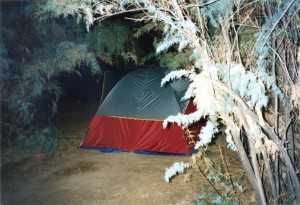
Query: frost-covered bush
[(176, 168)]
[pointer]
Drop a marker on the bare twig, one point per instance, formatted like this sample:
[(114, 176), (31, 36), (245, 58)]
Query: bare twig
[(225, 166), (205, 177), (275, 24)]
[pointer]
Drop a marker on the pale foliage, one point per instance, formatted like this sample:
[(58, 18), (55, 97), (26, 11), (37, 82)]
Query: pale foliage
[(176, 168), (229, 139)]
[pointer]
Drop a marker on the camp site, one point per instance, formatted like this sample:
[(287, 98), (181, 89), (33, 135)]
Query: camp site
[(150, 102)]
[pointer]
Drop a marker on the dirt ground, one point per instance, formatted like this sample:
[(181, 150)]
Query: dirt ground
[(90, 177)]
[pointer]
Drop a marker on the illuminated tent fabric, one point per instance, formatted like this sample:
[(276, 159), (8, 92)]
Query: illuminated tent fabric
[(130, 117)]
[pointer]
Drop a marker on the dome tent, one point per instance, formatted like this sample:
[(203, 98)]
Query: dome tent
[(131, 115)]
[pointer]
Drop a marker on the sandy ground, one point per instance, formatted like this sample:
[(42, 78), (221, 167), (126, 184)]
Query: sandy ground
[(82, 176)]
